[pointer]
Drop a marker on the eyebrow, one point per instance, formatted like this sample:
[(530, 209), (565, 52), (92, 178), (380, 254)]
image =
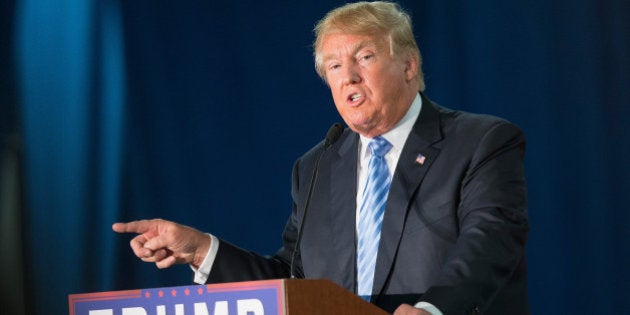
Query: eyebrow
[(360, 45)]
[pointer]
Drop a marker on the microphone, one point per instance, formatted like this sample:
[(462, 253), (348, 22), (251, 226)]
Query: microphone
[(332, 136)]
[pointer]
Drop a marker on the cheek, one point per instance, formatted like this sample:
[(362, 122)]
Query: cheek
[(385, 85), (336, 93)]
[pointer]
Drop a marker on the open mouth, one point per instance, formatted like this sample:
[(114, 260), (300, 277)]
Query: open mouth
[(355, 97)]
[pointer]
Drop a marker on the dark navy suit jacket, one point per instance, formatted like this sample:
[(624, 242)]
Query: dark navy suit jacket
[(454, 229)]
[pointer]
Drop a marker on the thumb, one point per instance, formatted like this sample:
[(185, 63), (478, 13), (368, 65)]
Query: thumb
[(155, 243)]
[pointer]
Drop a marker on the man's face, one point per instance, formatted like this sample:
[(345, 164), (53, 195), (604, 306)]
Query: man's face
[(372, 89)]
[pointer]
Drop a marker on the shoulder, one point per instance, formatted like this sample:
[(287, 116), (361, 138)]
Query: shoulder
[(460, 124), (308, 159), (464, 134), (468, 120)]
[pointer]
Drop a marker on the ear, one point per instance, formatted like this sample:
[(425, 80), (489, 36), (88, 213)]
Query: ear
[(411, 66)]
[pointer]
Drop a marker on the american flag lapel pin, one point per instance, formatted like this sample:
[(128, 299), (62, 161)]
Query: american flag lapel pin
[(420, 159)]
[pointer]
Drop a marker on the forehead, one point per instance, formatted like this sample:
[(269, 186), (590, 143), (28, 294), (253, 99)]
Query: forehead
[(336, 44)]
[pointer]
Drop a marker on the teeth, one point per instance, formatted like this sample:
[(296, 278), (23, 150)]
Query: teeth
[(354, 97)]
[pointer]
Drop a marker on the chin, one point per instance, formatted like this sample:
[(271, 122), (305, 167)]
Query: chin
[(363, 130)]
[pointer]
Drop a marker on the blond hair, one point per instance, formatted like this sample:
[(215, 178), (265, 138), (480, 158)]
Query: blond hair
[(369, 18)]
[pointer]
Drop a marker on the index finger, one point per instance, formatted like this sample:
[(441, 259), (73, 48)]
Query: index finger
[(139, 227)]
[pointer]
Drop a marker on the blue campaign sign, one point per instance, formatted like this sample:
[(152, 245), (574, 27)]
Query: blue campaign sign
[(239, 298)]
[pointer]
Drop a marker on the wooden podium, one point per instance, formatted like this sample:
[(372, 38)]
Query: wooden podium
[(267, 297), (306, 297)]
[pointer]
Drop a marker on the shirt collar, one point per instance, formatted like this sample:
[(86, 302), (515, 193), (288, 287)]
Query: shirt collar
[(397, 136)]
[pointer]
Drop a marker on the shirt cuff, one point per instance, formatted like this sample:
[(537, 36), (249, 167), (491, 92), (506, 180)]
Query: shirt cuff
[(428, 307), (202, 274)]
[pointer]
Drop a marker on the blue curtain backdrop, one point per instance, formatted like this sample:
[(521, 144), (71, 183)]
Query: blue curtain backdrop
[(194, 111)]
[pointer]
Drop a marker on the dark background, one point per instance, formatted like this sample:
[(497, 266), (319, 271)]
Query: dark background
[(194, 111)]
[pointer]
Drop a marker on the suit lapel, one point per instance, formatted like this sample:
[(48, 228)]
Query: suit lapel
[(407, 177), (343, 201)]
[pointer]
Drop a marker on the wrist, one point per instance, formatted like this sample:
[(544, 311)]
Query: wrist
[(201, 251)]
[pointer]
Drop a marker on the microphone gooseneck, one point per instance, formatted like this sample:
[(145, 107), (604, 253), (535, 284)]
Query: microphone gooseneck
[(332, 136)]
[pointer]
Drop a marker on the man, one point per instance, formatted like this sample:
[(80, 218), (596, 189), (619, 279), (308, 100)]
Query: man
[(417, 208)]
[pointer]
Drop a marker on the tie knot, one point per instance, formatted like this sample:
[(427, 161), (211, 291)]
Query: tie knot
[(379, 146)]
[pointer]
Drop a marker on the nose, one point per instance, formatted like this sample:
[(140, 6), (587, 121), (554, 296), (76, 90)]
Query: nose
[(351, 75)]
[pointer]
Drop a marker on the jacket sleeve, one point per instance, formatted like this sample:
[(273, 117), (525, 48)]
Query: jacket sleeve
[(236, 264), (492, 216)]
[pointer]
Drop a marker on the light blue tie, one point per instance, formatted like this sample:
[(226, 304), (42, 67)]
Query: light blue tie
[(371, 215)]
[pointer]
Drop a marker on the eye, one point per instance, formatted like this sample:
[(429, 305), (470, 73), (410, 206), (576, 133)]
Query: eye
[(367, 57), (334, 66)]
